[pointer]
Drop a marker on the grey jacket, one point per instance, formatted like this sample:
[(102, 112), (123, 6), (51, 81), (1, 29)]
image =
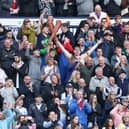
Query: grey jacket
[(85, 7)]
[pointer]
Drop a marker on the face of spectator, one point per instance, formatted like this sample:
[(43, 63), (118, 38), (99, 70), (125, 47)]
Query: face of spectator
[(38, 100), (79, 95), (104, 23), (94, 98), (108, 37), (20, 103), (81, 83), (81, 41), (99, 72), (69, 90), (45, 30), (126, 44), (27, 80), (90, 35), (86, 27), (9, 83), (98, 9), (126, 28), (7, 43), (9, 34), (123, 60), (52, 116), (50, 61), (52, 53), (101, 61), (109, 123), (126, 118), (89, 61), (36, 53), (57, 101), (118, 20), (112, 96), (91, 22), (54, 79), (118, 51), (76, 120), (122, 76), (25, 44), (99, 52), (24, 38), (111, 81), (22, 118), (28, 25), (76, 51), (17, 59), (64, 29)]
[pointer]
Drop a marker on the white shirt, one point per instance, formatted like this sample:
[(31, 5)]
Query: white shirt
[(3, 76), (98, 19)]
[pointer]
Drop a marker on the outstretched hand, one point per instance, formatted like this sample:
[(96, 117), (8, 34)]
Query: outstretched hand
[(99, 41)]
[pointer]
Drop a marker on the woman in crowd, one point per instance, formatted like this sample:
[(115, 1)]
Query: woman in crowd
[(9, 92), (109, 124), (74, 124), (94, 116)]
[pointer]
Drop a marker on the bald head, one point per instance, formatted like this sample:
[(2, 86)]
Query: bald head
[(98, 9)]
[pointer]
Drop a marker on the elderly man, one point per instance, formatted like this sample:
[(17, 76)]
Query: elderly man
[(112, 86), (98, 14), (107, 70), (97, 84), (98, 81)]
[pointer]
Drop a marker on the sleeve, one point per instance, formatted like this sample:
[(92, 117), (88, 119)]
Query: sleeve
[(92, 86), (9, 116), (27, 53), (106, 92), (15, 93), (114, 111), (119, 92), (47, 124), (30, 110), (118, 2), (43, 51), (88, 108), (72, 107)]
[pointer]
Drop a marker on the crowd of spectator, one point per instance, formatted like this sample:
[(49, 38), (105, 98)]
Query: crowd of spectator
[(51, 78)]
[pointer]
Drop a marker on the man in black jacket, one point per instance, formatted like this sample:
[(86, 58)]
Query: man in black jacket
[(7, 54), (38, 111)]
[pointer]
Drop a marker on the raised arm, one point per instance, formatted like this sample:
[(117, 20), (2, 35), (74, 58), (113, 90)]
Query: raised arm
[(89, 52), (41, 21), (67, 54)]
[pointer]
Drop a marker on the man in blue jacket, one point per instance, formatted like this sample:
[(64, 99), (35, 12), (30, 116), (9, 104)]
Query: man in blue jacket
[(80, 107)]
